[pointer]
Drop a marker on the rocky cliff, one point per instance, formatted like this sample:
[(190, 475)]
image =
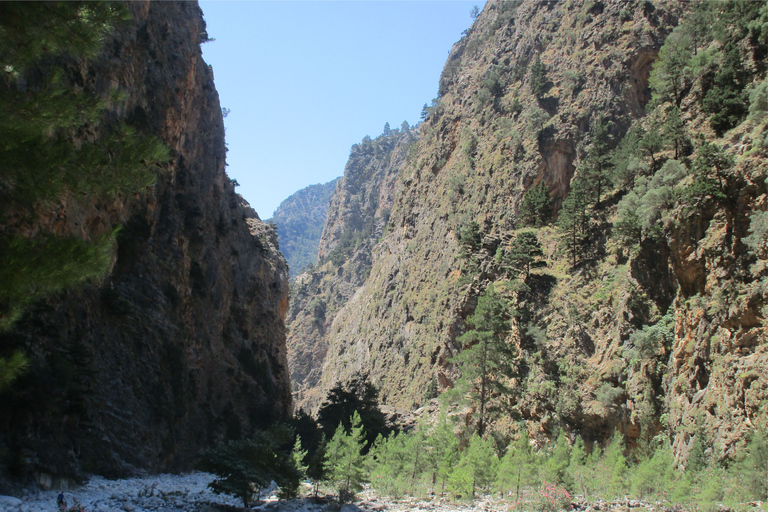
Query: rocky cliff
[(664, 333), (485, 141), (300, 220), (357, 215), (183, 343)]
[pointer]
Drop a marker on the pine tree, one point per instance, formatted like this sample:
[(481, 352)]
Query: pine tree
[(580, 471), (345, 464), (614, 467), (481, 462), (358, 396), (518, 468), (573, 220), (674, 131), (523, 254), (754, 467), (246, 466), (538, 78), (44, 154), (535, 210), (596, 169), (556, 465), (670, 75), (652, 140), (444, 451), (487, 361)]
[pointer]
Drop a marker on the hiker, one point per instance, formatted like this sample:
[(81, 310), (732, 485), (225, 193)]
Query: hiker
[(61, 502)]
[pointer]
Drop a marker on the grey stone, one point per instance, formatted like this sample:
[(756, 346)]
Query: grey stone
[(10, 501)]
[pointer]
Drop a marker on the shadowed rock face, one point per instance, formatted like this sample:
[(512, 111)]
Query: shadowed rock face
[(183, 344)]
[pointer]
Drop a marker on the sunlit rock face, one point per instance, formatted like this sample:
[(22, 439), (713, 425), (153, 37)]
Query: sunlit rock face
[(486, 140)]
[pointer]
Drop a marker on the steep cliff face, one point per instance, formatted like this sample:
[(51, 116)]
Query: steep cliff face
[(665, 333), (486, 140), (183, 343), (357, 215), (300, 220)]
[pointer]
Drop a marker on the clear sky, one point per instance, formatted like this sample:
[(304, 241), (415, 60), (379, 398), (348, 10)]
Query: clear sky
[(304, 80)]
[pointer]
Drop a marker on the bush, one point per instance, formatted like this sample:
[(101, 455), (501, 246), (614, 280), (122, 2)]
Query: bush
[(552, 498), (535, 210), (758, 101), (246, 466)]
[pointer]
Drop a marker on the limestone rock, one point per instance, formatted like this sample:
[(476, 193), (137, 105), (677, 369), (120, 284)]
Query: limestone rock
[(184, 342)]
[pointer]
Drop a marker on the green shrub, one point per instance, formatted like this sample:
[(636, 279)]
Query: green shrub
[(345, 466), (246, 466), (535, 209)]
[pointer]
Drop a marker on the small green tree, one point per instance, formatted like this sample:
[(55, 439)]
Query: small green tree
[(573, 220), (536, 209), (460, 481), (753, 469), (444, 451), (670, 75), (626, 160), (612, 473), (556, 465), (481, 462), (388, 473), (537, 78), (674, 131), (518, 468), (487, 361), (581, 468), (523, 254), (470, 239), (246, 466), (345, 466), (654, 476), (710, 175), (652, 139), (596, 168)]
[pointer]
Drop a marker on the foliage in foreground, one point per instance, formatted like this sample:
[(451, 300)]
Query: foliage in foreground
[(246, 466), (58, 141), (550, 477)]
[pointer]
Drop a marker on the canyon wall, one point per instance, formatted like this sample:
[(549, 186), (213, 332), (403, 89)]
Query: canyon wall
[(182, 344)]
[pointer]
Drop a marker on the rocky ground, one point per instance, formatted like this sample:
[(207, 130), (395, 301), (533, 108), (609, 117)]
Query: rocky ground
[(189, 493)]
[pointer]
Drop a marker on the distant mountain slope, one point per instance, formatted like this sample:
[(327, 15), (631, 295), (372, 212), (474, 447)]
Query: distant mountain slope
[(300, 220), (356, 220)]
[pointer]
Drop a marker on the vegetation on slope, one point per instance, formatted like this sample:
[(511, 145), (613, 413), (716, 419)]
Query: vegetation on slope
[(641, 208), (300, 220)]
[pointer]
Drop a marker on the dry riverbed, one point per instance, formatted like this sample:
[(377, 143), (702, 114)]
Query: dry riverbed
[(190, 493)]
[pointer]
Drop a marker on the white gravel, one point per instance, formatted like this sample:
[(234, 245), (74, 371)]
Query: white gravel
[(159, 493)]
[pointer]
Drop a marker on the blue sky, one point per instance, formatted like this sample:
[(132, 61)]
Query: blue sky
[(304, 80)]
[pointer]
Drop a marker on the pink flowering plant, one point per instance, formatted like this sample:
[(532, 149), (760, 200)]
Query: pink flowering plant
[(553, 498)]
